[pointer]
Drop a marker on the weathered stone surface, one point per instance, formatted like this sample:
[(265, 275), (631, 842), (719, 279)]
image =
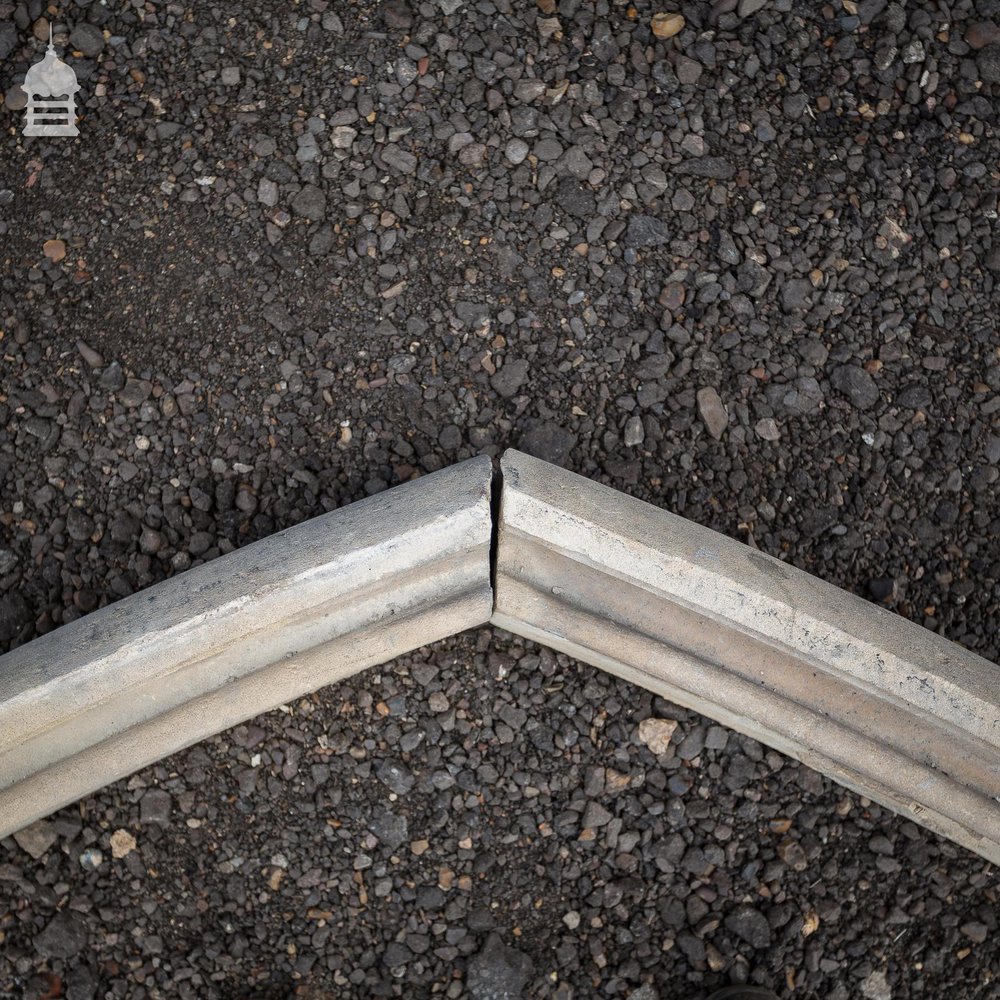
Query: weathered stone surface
[(310, 202), (881, 705), (389, 827), (277, 315), (156, 807), (713, 167), (511, 377), (234, 638)]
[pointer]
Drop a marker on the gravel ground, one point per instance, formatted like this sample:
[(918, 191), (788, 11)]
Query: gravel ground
[(747, 272), (368, 841)]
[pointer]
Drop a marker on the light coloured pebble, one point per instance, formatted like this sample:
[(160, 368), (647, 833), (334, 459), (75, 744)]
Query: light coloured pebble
[(267, 192), (712, 411), (767, 429), (122, 843), (666, 25), (693, 144), (635, 433), (516, 151), (343, 137), (438, 702), (91, 859), (656, 733)]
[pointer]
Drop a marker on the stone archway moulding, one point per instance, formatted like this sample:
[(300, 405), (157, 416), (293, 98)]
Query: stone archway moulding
[(876, 702)]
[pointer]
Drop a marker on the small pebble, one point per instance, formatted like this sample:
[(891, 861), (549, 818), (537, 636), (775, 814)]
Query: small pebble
[(656, 733), (122, 843), (91, 859), (667, 25)]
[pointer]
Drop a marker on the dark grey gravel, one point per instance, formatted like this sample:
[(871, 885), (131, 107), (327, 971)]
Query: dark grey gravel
[(549, 441), (390, 828), (9, 39), (155, 807), (498, 972), (748, 273), (15, 617), (708, 166), (87, 38), (856, 384), (988, 63), (65, 935), (310, 202), (750, 925), (646, 231)]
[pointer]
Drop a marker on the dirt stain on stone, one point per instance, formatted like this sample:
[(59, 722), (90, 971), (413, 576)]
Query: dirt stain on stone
[(771, 567)]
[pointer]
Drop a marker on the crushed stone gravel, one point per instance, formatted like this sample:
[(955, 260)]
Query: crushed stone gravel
[(300, 254)]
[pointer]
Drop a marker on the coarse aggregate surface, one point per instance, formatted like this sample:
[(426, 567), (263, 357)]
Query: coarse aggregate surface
[(303, 252)]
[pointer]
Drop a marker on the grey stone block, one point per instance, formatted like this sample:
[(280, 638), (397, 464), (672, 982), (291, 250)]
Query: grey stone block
[(876, 702), (110, 693)]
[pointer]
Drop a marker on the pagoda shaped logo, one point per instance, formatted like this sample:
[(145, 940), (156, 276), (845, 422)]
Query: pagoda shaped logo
[(51, 85)]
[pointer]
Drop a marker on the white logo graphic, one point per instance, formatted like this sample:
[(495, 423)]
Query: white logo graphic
[(50, 85)]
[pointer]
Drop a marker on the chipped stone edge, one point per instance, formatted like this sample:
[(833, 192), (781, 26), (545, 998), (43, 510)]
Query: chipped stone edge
[(106, 695), (881, 705)]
